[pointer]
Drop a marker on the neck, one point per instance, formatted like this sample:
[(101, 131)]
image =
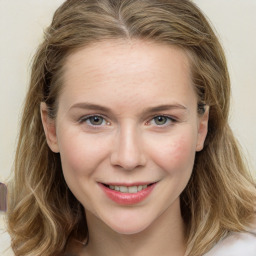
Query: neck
[(165, 236)]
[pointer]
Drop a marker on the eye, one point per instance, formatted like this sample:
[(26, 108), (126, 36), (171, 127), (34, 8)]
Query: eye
[(94, 120), (161, 120)]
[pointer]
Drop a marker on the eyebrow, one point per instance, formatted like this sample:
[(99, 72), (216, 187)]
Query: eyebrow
[(85, 105), (165, 107)]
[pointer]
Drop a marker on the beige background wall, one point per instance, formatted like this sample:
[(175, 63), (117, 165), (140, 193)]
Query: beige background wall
[(21, 29)]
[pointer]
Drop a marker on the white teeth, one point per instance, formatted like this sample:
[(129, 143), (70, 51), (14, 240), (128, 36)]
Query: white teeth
[(132, 189), (123, 189), (139, 188)]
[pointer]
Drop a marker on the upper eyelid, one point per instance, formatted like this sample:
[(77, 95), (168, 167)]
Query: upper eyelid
[(85, 117), (164, 115), (148, 119), (109, 114)]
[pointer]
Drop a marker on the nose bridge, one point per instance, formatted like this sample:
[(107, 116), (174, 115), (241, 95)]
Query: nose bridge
[(128, 149)]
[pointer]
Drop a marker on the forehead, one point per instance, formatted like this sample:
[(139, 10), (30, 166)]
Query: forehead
[(124, 55), (128, 68)]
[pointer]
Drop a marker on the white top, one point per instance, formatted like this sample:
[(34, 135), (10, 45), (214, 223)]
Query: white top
[(236, 244), (5, 240)]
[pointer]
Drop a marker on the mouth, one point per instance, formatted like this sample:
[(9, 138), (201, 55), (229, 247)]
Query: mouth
[(128, 194), (128, 189)]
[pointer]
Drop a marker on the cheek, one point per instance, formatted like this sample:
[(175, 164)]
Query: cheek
[(81, 154), (181, 149), (175, 153)]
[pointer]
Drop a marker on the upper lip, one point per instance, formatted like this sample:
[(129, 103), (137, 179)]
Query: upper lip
[(127, 184)]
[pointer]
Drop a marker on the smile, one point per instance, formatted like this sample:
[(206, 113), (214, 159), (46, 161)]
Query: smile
[(131, 189), (128, 195)]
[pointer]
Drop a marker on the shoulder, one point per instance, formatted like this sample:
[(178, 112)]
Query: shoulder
[(235, 244)]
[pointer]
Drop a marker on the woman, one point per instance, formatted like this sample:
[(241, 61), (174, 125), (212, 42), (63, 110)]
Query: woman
[(125, 146)]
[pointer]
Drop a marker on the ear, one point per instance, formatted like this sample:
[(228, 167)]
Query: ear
[(49, 128), (202, 129)]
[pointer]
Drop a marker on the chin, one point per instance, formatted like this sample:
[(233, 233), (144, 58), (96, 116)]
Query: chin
[(128, 226), (129, 229)]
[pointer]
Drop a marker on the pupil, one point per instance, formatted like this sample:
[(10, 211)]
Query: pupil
[(96, 120), (160, 120)]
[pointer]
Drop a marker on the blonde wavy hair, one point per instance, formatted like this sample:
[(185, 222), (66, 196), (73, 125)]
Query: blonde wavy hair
[(42, 212)]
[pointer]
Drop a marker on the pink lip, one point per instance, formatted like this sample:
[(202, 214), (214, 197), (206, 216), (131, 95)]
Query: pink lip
[(127, 198), (129, 184)]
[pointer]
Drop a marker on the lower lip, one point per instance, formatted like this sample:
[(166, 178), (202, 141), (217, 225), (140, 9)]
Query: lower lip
[(127, 198)]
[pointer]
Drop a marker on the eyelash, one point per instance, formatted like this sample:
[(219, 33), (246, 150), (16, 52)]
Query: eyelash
[(171, 120), (84, 119)]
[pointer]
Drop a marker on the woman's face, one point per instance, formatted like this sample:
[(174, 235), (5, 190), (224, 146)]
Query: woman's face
[(127, 131)]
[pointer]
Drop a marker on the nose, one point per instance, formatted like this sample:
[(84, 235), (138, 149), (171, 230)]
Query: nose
[(128, 149)]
